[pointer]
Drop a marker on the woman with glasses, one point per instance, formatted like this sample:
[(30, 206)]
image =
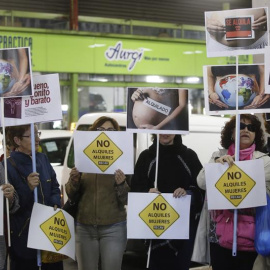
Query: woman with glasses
[(24, 180), (251, 144), (101, 217)]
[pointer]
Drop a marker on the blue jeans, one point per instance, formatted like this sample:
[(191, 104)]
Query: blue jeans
[(107, 242)]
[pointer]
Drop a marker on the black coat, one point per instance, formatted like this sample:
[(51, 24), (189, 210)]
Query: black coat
[(178, 166)]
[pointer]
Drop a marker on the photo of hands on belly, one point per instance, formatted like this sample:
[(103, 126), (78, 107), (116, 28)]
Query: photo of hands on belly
[(229, 30), (221, 84), (152, 108), (15, 78)]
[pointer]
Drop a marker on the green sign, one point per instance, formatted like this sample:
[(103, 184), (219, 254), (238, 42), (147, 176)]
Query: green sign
[(71, 53)]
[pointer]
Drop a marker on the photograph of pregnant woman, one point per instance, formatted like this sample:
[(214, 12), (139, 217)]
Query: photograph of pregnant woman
[(221, 82), (15, 72), (157, 110), (236, 32)]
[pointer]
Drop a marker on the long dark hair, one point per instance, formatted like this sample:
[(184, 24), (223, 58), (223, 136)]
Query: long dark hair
[(227, 131)]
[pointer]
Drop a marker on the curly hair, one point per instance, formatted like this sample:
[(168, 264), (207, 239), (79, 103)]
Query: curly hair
[(101, 120), (227, 131)]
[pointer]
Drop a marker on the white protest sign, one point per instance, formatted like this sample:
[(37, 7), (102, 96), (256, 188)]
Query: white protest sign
[(44, 105), (51, 230), (103, 152), (154, 216), (1, 212), (239, 186)]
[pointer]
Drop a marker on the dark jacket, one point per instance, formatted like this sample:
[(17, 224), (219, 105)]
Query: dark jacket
[(48, 194), (178, 166)]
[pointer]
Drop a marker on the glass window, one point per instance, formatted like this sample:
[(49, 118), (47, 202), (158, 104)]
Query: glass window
[(55, 149)]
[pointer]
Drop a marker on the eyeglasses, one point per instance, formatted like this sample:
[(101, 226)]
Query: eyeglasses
[(37, 134), (250, 127), (105, 129)]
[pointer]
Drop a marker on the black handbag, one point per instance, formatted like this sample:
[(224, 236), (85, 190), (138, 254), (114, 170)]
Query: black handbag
[(71, 207)]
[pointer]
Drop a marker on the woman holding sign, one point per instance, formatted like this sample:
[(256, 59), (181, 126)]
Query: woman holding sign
[(24, 180), (101, 231), (13, 200), (251, 144), (178, 168)]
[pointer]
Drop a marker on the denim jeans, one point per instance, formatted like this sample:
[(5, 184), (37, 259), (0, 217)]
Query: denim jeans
[(107, 242)]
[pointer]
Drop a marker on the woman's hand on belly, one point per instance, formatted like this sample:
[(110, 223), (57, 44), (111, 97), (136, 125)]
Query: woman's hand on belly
[(258, 101), (214, 99), (260, 23)]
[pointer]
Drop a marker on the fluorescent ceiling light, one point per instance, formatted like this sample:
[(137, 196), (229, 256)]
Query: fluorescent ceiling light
[(96, 45), (188, 52), (154, 79), (99, 79), (192, 80), (198, 52)]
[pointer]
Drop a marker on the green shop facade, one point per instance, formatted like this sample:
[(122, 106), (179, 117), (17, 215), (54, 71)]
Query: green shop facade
[(96, 69)]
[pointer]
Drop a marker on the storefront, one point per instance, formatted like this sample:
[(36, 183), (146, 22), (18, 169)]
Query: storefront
[(95, 71)]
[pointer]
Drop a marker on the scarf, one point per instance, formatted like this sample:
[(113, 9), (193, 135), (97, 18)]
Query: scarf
[(244, 154)]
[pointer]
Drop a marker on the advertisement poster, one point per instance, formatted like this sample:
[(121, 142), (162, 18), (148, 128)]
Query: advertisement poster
[(15, 72), (236, 32), (157, 216), (222, 83), (51, 230), (157, 110), (239, 186), (104, 152), (44, 105)]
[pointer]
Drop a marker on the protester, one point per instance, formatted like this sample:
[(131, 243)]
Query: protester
[(13, 200), (263, 262), (251, 144), (101, 217), (24, 180), (178, 167), (9, 147)]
